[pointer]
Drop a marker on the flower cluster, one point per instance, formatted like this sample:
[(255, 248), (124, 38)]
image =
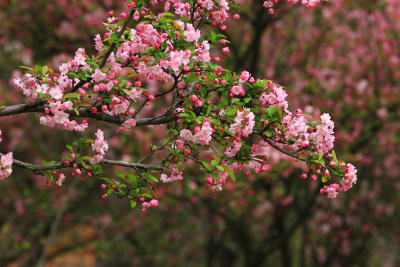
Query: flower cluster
[(216, 118), (100, 146), (6, 162)]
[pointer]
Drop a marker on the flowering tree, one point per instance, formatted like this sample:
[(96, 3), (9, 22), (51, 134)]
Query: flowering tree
[(156, 68)]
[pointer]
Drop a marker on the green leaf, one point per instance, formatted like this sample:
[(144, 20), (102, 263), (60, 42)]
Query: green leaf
[(220, 168), (167, 14), (334, 156), (151, 177), (86, 158), (205, 164), (214, 175), (126, 91), (71, 95), (45, 69), (133, 204), (271, 111), (70, 148), (38, 69), (76, 111), (231, 174), (234, 100), (106, 179), (24, 67)]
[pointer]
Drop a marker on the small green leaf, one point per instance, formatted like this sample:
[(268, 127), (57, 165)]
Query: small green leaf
[(126, 91), (230, 172), (70, 148), (334, 156), (214, 175), (71, 95), (151, 177), (271, 111), (220, 168), (86, 158), (38, 69), (23, 67), (234, 100), (133, 204)]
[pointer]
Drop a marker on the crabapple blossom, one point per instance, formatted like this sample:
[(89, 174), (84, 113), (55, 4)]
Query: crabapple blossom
[(214, 117)]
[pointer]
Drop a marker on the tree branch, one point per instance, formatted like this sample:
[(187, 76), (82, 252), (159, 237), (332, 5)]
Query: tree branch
[(266, 139), (35, 167), (84, 113)]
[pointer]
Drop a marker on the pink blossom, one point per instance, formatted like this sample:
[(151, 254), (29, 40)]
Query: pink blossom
[(100, 145), (60, 179), (236, 89), (153, 203), (98, 75), (55, 93), (203, 137), (6, 165), (244, 76), (61, 117), (186, 135), (176, 175), (127, 125)]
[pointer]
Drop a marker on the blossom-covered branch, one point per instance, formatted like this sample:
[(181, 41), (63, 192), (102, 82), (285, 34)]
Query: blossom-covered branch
[(160, 64)]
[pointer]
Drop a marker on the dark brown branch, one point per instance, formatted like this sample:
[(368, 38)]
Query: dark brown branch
[(57, 166), (84, 113), (20, 108), (266, 139)]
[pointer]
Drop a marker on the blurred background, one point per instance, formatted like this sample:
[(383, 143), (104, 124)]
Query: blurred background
[(340, 57)]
